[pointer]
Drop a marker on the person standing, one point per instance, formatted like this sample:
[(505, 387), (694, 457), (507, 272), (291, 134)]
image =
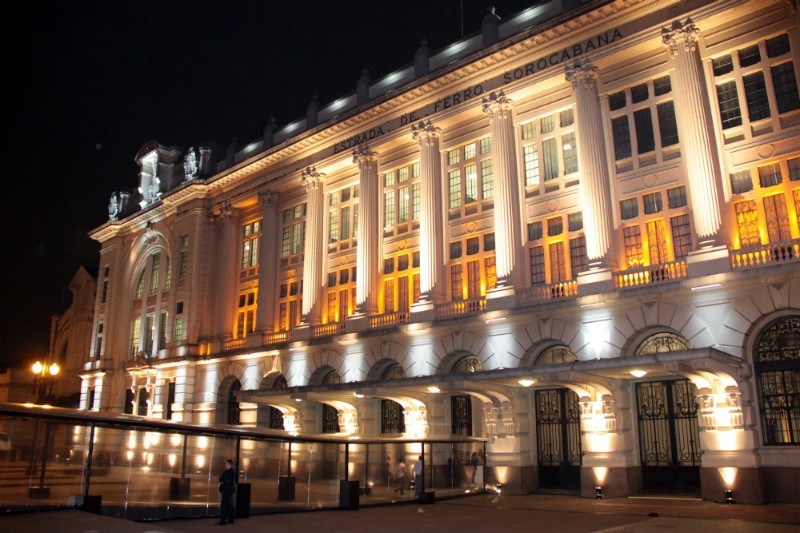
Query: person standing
[(418, 475), (227, 488), (399, 476)]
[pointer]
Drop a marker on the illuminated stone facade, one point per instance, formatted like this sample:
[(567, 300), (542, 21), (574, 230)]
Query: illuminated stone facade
[(578, 226)]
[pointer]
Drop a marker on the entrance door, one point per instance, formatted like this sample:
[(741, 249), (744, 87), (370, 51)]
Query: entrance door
[(669, 440), (558, 437)]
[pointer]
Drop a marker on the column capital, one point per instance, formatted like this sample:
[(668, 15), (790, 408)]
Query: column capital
[(496, 102), (269, 197), (686, 33), (425, 132), (585, 73), (362, 155), (311, 178)]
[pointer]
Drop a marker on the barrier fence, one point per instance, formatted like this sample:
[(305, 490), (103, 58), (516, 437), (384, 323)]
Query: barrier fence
[(146, 469)]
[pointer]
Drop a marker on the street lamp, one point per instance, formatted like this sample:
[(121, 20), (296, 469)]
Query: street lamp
[(43, 375)]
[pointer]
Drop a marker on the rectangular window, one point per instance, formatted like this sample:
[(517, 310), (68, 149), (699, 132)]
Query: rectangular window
[(388, 265), (473, 245), (558, 264), (547, 124), (179, 332), (402, 294), (794, 169), (155, 266), (785, 84), (645, 139), (456, 287), (491, 272), (667, 125), (528, 130), (388, 296), (184, 264), (622, 137), (473, 279), (471, 184), (388, 208), (747, 221), (344, 305), (570, 148), (555, 226), (681, 236), (722, 65), (577, 256), (470, 151), (298, 237), (639, 93), (388, 179), (333, 225), (415, 201), (777, 46), (486, 145), (749, 56), (567, 117), (344, 234), (575, 221), (453, 156), (616, 101), (286, 241), (455, 250), (769, 175), (488, 242), (402, 204), (629, 208), (662, 85), (657, 240), (534, 231), (454, 180), (531, 163), (632, 237), (98, 346), (777, 218), (550, 158), (538, 275), (652, 203), (729, 104), (402, 175), (136, 330), (332, 307), (741, 182), (487, 179), (676, 197), (755, 93)]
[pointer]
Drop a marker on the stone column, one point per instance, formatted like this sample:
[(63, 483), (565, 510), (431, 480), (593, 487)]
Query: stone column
[(507, 217), (431, 223), (314, 246), (595, 192), (268, 262), (227, 287), (368, 254), (695, 130)]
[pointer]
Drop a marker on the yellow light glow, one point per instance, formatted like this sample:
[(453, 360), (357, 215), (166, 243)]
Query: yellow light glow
[(172, 459), (526, 382), (728, 474), (638, 373), (37, 367), (201, 461), (434, 389), (54, 369), (600, 473)]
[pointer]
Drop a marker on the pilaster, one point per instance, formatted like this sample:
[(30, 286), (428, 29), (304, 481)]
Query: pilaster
[(267, 273), (314, 246), (368, 254)]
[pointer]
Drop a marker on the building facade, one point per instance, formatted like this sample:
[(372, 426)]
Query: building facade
[(574, 234)]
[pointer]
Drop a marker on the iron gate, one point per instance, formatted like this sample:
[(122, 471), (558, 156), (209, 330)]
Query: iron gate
[(558, 437), (669, 440)]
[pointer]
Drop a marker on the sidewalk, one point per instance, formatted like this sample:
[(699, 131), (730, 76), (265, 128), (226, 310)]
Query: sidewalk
[(482, 513)]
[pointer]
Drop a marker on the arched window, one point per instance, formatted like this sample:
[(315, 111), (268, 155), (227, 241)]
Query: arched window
[(150, 311), (555, 356), (276, 415), (392, 420), (233, 404), (663, 342), (777, 366), (330, 415), (468, 364)]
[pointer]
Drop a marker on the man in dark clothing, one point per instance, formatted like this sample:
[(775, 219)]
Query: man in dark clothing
[(227, 488)]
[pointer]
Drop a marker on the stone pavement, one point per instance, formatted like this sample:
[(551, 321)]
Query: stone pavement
[(489, 513)]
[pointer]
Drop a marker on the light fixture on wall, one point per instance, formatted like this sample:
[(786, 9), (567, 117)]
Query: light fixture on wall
[(434, 389), (729, 496), (526, 382), (638, 373), (598, 492)]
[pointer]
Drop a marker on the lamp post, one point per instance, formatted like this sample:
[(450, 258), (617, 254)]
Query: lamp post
[(43, 376)]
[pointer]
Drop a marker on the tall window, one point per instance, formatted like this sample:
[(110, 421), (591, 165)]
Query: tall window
[(472, 267), (643, 106), (340, 294), (470, 178), (747, 222), (251, 238), (342, 218), (246, 314), (293, 233), (183, 267), (401, 198), (149, 328), (549, 148), (560, 255), (290, 304), (104, 288), (743, 93), (400, 282), (777, 367)]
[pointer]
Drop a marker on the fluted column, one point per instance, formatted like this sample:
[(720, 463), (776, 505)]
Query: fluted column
[(368, 253), (595, 192), (695, 130), (431, 234), (268, 262), (508, 244), (227, 291), (314, 246)]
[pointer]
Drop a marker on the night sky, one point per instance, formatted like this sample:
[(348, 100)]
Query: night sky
[(87, 83)]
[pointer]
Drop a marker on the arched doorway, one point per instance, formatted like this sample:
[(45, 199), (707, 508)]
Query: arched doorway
[(275, 414), (234, 411), (330, 415), (392, 418), (669, 435), (558, 432)]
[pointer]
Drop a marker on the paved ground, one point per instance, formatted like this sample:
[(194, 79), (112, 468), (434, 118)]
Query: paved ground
[(489, 513)]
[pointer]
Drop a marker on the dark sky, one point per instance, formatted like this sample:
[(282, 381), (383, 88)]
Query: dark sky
[(87, 83)]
